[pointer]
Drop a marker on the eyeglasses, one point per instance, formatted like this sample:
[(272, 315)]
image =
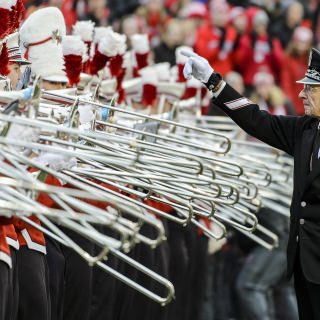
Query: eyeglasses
[(308, 88)]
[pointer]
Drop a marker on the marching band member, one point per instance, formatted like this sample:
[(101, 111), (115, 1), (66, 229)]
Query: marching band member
[(5, 274), (40, 36), (15, 59)]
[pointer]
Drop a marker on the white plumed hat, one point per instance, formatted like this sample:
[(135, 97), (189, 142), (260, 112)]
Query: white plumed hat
[(40, 38), (84, 29)]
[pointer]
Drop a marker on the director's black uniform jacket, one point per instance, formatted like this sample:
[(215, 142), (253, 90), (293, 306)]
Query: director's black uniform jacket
[(294, 135)]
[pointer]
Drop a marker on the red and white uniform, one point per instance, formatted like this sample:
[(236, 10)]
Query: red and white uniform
[(4, 248), (28, 235), (11, 236)]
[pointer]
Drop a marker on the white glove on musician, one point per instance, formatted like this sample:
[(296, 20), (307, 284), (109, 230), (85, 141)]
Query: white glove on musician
[(196, 66)]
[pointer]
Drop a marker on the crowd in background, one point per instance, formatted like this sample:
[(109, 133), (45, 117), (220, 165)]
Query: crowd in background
[(272, 37), (261, 48)]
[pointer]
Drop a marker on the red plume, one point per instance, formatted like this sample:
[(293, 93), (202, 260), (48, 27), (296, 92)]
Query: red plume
[(73, 64), (119, 89), (86, 65), (115, 65), (16, 15), (98, 62), (149, 94), (4, 61), (189, 93), (181, 77), (142, 59), (4, 22)]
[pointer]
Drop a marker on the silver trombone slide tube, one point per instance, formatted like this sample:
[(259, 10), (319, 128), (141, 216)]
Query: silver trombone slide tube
[(92, 260), (169, 171), (243, 184), (164, 176), (149, 186), (113, 183), (140, 238), (209, 233), (123, 226), (98, 238), (253, 205), (122, 230), (205, 209), (195, 208), (62, 220), (253, 165), (114, 226), (138, 266), (156, 211), (137, 153), (190, 194), (286, 160), (281, 188), (141, 217), (264, 182), (217, 164), (276, 207), (139, 176), (263, 243), (155, 187), (276, 196), (144, 219), (168, 154), (58, 234), (97, 261), (257, 145), (244, 211), (98, 215), (91, 209), (96, 193), (91, 234), (178, 140), (13, 204), (225, 212), (226, 141)]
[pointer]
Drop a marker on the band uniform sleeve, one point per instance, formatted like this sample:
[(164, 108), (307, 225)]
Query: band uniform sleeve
[(277, 131)]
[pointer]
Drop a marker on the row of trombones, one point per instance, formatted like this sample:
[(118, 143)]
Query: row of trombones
[(119, 168)]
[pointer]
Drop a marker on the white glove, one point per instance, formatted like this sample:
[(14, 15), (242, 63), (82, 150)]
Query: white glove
[(86, 113), (57, 162), (196, 67)]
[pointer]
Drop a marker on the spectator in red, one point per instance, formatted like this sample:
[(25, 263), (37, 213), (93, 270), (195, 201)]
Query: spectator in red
[(215, 40), (195, 15), (258, 51), (239, 20), (296, 57)]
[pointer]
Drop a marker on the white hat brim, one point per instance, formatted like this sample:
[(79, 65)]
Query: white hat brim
[(20, 61), (56, 78), (307, 80)]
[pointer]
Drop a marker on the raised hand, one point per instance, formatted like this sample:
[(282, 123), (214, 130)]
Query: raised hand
[(197, 67)]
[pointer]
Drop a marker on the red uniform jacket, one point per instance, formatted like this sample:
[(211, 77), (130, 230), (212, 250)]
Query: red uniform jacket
[(31, 236), (216, 46), (4, 248)]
